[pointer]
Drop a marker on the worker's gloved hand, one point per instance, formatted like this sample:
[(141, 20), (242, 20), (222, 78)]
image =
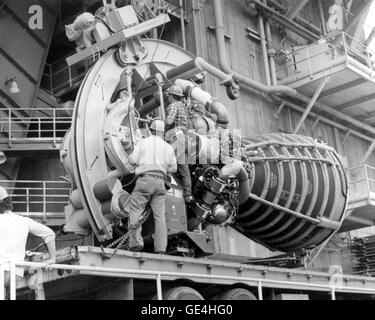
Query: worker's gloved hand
[(50, 262)]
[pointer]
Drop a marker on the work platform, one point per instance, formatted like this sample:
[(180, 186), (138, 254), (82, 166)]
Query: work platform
[(84, 266), (361, 205), (349, 67), (32, 132)]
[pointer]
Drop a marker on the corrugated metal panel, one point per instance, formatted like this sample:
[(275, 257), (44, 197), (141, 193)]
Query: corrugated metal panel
[(254, 112), (23, 53)]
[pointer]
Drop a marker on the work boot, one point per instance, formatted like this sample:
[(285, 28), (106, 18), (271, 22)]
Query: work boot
[(136, 249)]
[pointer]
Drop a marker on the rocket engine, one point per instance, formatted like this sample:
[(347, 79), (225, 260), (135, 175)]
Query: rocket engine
[(286, 192)]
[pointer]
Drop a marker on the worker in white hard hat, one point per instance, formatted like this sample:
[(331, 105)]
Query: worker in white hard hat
[(153, 160), (177, 124), (14, 231)]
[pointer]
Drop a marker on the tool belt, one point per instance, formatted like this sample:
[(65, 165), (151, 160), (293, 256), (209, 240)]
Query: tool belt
[(153, 175)]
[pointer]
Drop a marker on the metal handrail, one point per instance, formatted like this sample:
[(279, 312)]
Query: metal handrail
[(346, 45), (51, 124), (53, 72), (42, 198), (259, 283), (365, 169), (363, 181)]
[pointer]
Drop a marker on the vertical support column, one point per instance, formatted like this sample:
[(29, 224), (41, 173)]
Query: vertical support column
[(271, 53), (263, 42), (314, 99), (158, 287), (333, 294), (54, 128), (2, 282), (260, 291), (183, 32), (160, 83), (39, 292), (10, 128), (44, 202), (13, 283)]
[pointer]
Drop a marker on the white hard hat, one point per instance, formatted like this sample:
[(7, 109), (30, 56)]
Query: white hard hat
[(176, 91), (3, 194), (158, 126)]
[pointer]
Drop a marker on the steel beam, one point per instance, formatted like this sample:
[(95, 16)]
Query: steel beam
[(355, 102), (293, 13), (305, 23), (358, 220), (18, 66), (342, 88), (117, 38), (369, 117), (370, 37), (322, 17), (357, 15), (315, 124), (280, 109), (203, 271), (314, 99), (347, 135), (285, 21), (330, 122), (369, 152)]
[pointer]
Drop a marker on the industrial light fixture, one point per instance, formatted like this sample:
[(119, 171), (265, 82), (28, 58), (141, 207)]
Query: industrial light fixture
[(3, 158), (12, 85)]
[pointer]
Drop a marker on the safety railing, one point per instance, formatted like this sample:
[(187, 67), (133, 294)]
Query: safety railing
[(39, 200), (362, 183), (58, 76), (38, 125), (305, 59), (332, 287)]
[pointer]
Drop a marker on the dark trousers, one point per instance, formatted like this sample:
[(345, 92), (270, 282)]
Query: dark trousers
[(150, 191), (180, 143), (183, 173)]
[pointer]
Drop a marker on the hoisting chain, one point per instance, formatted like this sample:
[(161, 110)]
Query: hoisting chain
[(123, 242)]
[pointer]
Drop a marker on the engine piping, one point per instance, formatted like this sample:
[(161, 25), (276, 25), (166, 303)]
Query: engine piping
[(236, 168), (211, 104), (219, 32), (273, 90)]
